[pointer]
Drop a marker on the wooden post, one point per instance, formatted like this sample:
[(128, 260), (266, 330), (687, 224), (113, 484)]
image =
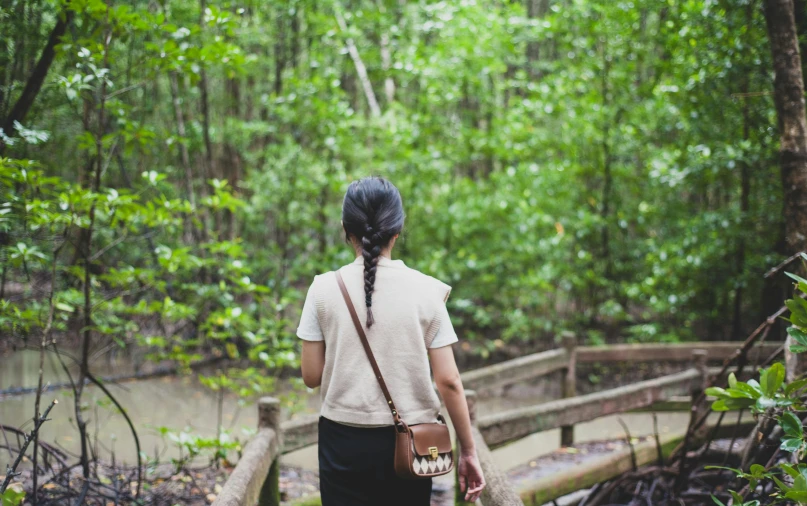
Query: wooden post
[(459, 497), (699, 357), (269, 417), (569, 388), (696, 412), (792, 365)]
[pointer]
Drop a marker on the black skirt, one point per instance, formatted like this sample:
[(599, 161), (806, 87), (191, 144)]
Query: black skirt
[(356, 468)]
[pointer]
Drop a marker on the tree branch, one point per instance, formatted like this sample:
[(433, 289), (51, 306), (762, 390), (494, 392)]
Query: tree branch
[(361, 70), (11, 470), (34, 84)]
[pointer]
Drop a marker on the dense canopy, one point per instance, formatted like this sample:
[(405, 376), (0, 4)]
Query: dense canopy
[(605, 167)]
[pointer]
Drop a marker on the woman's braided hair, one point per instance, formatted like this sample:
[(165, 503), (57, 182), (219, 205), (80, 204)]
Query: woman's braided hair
[(372, 212)]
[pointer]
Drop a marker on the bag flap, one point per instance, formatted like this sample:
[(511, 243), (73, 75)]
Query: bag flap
[(427, 435)]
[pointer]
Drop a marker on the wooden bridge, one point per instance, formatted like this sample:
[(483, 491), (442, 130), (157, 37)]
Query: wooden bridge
[(255, 478)]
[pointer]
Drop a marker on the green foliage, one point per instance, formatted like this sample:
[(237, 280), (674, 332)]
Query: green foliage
[(603, 167), (757, 396), (772, 396), (567, 169), (737, 500), (190, 446), (14, 495)]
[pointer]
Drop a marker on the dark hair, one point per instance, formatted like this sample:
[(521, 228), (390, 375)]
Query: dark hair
[(373, 213)]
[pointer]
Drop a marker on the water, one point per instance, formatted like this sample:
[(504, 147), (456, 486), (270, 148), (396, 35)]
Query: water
[(183, 403), (179, 403)]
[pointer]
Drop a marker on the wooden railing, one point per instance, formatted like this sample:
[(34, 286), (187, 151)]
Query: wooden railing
[(255, 478), (515, 424)]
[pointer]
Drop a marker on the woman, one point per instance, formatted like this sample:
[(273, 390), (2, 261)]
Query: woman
[(408, 327)]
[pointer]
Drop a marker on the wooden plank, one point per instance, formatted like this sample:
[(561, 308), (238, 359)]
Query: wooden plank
[(499, 491), (515, 370), (548, 488), (585, 475), (540, 364), (517, 423), (569, 385), (300, 433), (668, 352), (244, 484)]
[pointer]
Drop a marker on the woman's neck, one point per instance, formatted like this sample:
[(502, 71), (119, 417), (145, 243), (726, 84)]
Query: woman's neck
[(387, 253)]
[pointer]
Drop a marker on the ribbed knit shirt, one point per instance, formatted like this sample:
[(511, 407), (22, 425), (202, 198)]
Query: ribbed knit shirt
[(409, 309)]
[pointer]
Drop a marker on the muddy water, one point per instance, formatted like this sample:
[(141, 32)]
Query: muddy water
[(182, 403), (179, 403)]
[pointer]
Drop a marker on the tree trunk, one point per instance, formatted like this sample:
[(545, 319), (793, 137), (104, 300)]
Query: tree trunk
[(231, 164), (745, 189), (800, 14), (183, 146), (280, 50), (788, 96), (607, 159), (34, 84), (536, 9), (789, 100)]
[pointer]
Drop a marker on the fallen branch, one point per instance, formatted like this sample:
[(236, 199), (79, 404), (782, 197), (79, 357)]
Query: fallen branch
[(784, 264), (11, 471), (361, 70), (131, 428), (628, 439)]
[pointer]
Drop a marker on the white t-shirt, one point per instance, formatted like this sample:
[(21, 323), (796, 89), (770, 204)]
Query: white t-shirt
[(309, 326)]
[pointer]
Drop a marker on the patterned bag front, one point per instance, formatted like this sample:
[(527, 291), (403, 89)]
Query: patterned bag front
[(423, 451)]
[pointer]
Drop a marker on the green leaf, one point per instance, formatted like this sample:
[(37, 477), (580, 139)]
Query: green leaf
[(790, 470), (775, 377), (791, 425), (717, 392), (720, 405), (800, 483), (796, 277), (742, 390), (797, 334), (797, 495), (64, 307), (732, 380), (790, 444), (755, 393), (782, 487), (757, 470), (798, 311), (717, 501), (765, 402), (13, 495)]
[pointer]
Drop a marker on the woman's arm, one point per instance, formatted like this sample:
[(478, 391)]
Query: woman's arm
[(448, 381), (313, 362)]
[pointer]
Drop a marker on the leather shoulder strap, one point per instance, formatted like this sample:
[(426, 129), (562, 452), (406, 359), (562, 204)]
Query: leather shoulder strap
[(357, 323)]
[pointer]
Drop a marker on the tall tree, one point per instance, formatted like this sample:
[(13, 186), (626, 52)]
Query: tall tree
[(788, 96), (789, 100)]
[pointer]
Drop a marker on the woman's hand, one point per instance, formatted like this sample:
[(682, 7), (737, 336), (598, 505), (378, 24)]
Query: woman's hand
[(470, 475), (448, 381)]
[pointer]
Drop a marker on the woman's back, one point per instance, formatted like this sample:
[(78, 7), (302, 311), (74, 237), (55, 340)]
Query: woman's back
[(409, 311)]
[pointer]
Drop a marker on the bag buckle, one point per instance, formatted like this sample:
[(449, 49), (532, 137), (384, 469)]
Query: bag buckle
[(433, 452)]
